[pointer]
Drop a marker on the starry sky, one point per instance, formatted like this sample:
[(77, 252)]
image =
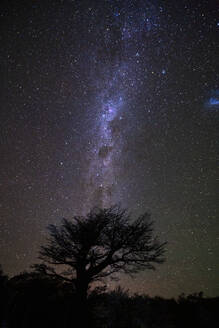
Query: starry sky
[(105, 102)]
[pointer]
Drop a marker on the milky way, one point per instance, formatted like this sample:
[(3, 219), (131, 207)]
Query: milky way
[(106, 102), (119, 75)]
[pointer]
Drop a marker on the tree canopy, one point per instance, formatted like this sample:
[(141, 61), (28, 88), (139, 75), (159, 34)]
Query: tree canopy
[(105, 241)]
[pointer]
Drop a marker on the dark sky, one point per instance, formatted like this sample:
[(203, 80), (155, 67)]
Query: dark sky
[(106, 102)]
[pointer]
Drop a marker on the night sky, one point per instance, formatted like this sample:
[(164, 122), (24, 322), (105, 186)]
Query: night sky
[(106, 102)]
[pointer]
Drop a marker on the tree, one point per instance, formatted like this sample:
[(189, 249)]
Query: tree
[(37, 300), (104, 242)]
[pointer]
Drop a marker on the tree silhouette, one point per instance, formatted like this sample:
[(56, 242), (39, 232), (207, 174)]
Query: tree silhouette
[(104, 242), (37, 300)]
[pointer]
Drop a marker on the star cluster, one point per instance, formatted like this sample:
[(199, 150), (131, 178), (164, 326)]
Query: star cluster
[(106, 102)]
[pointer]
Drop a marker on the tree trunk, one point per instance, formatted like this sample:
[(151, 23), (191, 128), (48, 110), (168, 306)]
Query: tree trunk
[(82, 304)]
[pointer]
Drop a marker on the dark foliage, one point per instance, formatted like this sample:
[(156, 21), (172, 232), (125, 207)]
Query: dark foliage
[(38, 301), (118, 309)]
